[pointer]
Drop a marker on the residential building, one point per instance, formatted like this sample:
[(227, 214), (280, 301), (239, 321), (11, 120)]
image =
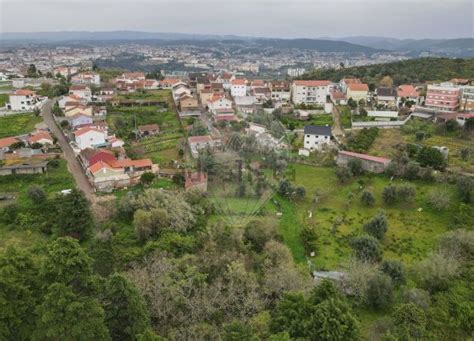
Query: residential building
[(218, 102), (443, 97), (345, 82), (87, 77), (22, 100), (81, 91), (408, 92), (310, 91), (80, 120), (316, 137), (238, 88), (386, 96), (338, 97), (6, 142), (357, 91), (90, 137), (280, 91), (42, 137), (79, 109), (198, 143), (369, 163), (148, 130), (187, 102), (467, 99)]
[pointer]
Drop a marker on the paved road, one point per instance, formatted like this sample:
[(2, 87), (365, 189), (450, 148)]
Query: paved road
[(73, 164)]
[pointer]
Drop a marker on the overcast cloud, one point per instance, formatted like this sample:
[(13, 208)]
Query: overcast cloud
[(268, 18)]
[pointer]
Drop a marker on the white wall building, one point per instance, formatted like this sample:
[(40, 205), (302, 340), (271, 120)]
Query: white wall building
[(315, 137), (81, 91), (238, 88), (310, 91), (22, 100), (90, 137)]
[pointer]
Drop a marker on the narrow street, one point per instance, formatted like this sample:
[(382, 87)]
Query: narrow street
[(73, 164)]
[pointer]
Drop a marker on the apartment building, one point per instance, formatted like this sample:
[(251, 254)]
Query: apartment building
[(310, 91), (443, 97)]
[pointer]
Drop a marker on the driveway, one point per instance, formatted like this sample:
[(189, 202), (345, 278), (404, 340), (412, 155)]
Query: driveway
[(73, 164)]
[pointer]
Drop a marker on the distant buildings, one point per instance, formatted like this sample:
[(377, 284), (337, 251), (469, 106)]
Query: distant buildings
[(295, 72)]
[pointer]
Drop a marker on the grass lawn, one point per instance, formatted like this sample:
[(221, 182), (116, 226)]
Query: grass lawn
[(155, 95), (18, 124), (3, 99), (317, 119), (411, 234), (55, 180)]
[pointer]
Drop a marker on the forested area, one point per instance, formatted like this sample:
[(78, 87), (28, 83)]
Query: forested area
[(407, 71)]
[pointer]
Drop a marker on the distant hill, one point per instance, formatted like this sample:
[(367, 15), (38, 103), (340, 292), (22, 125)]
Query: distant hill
[(460, 47), (184, 39), (408, 71)]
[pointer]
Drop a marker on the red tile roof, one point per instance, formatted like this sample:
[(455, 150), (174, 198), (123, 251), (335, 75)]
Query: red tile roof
[(239, 82), (8, 141), (199, 139), (39, 136), (131, 163), (85, 130), (407, 90), (365, 157), (23, 92), (358, 87), (99, 165)]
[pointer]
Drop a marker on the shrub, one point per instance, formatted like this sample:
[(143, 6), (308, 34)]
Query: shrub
[(310, 238), (343, 174), (395, 270), (411, 171), (147, 178), (419, 297), (439, 199), (36, 194), (431, 157), (406, 193), (367, 198), (355, 166), (377, 227), (379, 291), (367, 248), (389, 195), (466, 189)]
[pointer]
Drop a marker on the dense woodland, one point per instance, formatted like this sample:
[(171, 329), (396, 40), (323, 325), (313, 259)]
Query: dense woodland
[(407, 71)]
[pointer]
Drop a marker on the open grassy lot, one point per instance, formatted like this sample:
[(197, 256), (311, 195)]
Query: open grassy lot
[(411, 234), (163, 148), (317, 119), (388, 139), (155, 95), (18, 124), (3, 99), (55, 180)]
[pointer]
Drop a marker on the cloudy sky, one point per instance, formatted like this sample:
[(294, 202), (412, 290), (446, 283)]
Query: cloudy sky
[(269, 18)]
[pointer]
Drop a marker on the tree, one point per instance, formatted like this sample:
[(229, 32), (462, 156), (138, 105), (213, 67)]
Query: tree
[(395, 270), (235, 142), (367, 198), (32, 71), (63, 315), (377, 226), (465, 187), (436, 272), (125, 311), (73, 217), (386, 81), (367, 248), (409, 322), (389, 195), (333, 320), (355, 166), (310, 237), (465, 153), (439, 199), (469, 124), (431, 157), (147, 178), (290, 315), (36, 194), (343, 174), (198, 129), (380, 291), (258, 233)]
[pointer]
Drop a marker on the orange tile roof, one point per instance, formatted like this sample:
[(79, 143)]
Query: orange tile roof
[(8, 141), (131, 163), (23, 92), (85, 130), (239, 82), (40, 135), (312, 82), (358, 87), (199, 139), (407, 90), (99, 165)]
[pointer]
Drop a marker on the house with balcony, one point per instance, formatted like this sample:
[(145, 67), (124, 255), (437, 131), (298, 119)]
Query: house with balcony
[(310, 91)]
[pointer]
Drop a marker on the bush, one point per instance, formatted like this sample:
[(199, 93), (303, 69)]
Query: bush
[(343, 174), (379, 291), (367, 248), (431, 157), (465, 153), (411, 171), (363, 140), (395, 270), (389, 195), (310, 238), (406, 193), (377, 227), (418, 297), (147, 178), (439, 199), (36, 194), (367, 198), (466, 189), (355, 166)]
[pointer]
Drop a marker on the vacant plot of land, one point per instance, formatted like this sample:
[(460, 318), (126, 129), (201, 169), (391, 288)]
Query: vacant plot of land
[(3, 99), (338, 216), (163, 148), (52, 182), (18, 124)]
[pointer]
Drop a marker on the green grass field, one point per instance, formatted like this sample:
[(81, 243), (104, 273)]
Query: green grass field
[(52, 182), (411, 234), (3, 99), (18, 124)]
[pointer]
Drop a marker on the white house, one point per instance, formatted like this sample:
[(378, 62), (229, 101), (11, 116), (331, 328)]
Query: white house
[(41, 137), (218, 103), (90, 137), (23, 100), (310, 91), (315, 137), (79, 120), (82, 91), (238, 88), (87, 77)]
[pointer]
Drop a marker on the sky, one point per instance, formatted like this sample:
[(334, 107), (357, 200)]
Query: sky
[(262, 18)]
